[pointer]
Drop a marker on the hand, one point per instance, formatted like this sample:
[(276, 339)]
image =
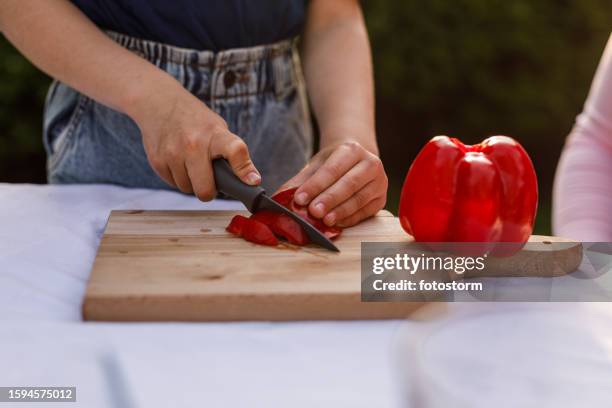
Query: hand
[(343, 184), (182, 136)]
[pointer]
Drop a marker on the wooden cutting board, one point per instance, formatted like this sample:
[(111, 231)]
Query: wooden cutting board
[(184, 266)]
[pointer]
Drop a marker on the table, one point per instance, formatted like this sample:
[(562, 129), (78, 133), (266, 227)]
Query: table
[(48, 239)]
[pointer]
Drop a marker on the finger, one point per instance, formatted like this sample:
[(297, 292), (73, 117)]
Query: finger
[(236, 152), (349, 185), (307, 171), (354, 203), (201, 175), (299, 178), (165, 174), (367, 211), (160, 168), (338, 163), (180, 177)]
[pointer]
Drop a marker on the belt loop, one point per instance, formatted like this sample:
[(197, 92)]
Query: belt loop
[(283, 62), (216, 84)]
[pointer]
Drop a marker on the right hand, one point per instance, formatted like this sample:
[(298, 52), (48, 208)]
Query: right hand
[(182, 136)]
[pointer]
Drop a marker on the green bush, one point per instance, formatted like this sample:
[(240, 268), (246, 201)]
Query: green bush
[(22, 92), (473, 66)]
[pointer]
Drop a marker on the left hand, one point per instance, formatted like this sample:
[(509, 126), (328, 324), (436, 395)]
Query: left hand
[(342, 184)]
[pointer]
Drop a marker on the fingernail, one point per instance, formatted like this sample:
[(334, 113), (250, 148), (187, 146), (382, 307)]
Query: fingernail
[(319, 209), (253, 178), (301, 198), (330, 219)]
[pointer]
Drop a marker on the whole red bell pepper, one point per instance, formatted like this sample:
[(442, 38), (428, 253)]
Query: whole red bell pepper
[(483, 193)]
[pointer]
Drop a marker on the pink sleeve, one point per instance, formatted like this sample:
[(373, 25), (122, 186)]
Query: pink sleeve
[(582, 195)]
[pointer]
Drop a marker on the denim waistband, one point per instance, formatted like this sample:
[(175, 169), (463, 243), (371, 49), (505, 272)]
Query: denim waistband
[(234, 73)]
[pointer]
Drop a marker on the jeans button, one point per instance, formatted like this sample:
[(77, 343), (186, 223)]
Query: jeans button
[(229, 79)]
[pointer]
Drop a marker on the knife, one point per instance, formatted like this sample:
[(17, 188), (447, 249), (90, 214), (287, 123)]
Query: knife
[(255, 199)]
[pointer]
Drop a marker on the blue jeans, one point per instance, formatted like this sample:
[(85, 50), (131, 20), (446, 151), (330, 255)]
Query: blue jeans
[(259, 91)]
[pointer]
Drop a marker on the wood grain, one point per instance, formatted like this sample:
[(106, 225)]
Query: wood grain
[(184, 266)]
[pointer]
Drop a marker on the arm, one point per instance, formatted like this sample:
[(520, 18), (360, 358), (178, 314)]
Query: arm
[(345, 182), (338, 71), (582, 202), (177, 128)]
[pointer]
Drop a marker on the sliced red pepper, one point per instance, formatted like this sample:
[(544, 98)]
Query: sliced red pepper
[(484, 193), (283, 226), (237, 225), (279, 224), (267, 217), (258, 232), (251, 230), (287, 228), (329, 232), (285, 197)]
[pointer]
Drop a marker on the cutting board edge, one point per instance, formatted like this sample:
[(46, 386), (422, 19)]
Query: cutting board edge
[(304, 307), (135, 211)]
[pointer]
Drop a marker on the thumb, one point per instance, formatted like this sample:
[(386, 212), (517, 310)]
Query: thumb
[(236, 152)]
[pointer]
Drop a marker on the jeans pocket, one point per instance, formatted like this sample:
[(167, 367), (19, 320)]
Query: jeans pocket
[(65, 131)]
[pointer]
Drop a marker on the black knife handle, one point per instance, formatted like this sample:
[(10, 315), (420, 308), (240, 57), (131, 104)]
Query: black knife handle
[(229, 184)]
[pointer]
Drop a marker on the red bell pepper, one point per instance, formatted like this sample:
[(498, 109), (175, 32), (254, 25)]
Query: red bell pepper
[(483, 193), (262, 226)]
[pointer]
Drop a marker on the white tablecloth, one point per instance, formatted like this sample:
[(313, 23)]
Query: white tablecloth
[(48, 239), (508, 355)]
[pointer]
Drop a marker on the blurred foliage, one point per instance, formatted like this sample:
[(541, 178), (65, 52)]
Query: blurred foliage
[(22, 93), (468, 68), (475, 68)]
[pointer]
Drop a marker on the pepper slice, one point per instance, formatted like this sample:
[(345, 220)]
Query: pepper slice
[(283, 226), (259, 233), (329, 232), (287, 228), (285, 197), (252, 230), (237, 225), (279, 224), (265, 216)]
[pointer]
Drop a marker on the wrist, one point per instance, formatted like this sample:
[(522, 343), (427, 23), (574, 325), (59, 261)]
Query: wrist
[(147, 98)]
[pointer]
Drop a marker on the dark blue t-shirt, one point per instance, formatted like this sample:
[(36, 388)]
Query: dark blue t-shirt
[(200, 24)]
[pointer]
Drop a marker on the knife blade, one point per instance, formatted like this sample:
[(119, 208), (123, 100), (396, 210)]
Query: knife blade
[(255, 198)]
